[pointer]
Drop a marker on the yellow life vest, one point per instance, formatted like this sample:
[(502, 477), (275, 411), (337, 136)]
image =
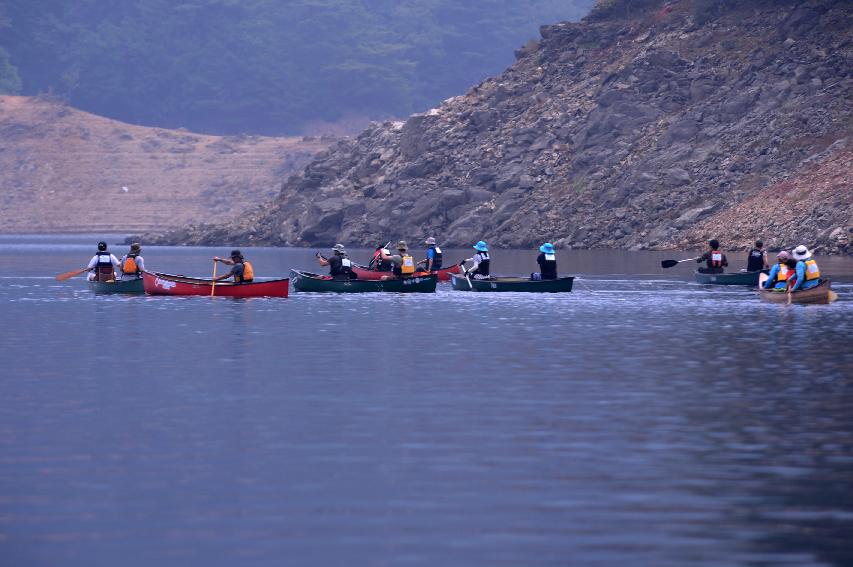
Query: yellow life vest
[(784, 273), (129, 266), (408, 266), (248, 272), (812, 271)]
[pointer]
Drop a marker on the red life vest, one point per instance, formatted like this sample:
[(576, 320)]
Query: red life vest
[(716, 259)]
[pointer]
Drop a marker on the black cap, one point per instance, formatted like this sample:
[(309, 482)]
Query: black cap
[(758, 244), (714, 243), (102, 246), (236, 254)]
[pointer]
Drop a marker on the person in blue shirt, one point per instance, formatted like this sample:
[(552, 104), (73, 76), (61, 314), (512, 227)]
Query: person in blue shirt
[(808, 274), (433, 259), (779, 273)]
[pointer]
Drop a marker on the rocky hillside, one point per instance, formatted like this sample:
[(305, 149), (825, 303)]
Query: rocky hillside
[(63, 170), (653, 132)]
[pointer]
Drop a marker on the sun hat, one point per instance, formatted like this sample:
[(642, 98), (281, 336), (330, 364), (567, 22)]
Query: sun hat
[(402, 245), (783, 255), (802, 253), (339, 248), (236, 254), (547, 248), (135, 247), (430, 241), (481, 246)]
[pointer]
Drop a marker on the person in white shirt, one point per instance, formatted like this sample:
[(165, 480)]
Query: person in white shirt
[(102, 266)]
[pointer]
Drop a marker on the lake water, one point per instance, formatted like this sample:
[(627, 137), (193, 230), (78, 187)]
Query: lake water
[(642, 419)]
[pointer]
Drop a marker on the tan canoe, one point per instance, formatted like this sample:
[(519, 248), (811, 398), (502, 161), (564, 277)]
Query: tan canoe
[(821, 294)]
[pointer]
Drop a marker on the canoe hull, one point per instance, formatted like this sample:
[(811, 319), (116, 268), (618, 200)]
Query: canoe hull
[(127, 286), (166, 284), (306, 281), (734, 278), (367, 274), (818, 295), (561, 285)]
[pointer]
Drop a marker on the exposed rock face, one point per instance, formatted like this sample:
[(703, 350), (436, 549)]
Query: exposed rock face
[(626, 134)]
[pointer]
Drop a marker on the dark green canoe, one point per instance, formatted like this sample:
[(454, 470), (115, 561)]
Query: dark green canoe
[(306, 281), (513, 284), (127, 286), (734, 278)]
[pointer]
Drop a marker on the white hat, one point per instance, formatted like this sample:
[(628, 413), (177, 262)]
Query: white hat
[(801, 253), (430, 241)]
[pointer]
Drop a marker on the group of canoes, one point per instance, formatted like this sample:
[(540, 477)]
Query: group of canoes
[(795, 278)]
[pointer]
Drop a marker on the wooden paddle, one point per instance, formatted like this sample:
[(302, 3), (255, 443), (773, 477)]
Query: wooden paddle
[(671, 263), (213, 284), (465, 273), (71, 274)]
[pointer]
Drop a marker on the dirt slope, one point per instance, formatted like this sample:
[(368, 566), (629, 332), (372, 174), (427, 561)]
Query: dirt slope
[(66, 170)]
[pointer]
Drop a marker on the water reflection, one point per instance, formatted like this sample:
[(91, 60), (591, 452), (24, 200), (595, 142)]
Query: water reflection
[(638, 420)]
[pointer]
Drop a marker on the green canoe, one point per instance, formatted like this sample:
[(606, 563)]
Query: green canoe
[(513, 284), (127, 286), (306, 281), (734, 278)]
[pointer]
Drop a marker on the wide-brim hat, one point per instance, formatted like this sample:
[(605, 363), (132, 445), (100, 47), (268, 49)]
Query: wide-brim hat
[(801, 253), (402, 245), (547, 248), (430, 241), (481, 246), (236, 254), (136, 247), (339, 248)]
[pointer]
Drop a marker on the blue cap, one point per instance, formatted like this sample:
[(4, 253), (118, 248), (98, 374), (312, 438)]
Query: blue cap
[(481, 246), (547, 248)]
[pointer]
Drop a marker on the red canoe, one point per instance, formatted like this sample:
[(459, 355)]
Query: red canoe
[(365, 273), (164, 284)]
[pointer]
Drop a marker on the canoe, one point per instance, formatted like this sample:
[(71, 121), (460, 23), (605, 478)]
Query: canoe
[(126, 286), (365, 273), (733, 278), (165, 284), (561, 285), (820, 294), (306, 281)]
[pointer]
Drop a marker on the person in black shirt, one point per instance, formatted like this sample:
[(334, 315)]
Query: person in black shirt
[(340, 267), (757, 258), (547, 261)]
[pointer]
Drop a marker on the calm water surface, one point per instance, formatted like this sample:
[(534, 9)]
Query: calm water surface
[(641, 420)]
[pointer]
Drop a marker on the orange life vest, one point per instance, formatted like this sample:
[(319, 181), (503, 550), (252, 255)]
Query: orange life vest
[(716, 259), (248, 272), (784, 273), (812, 271), (129, 266)]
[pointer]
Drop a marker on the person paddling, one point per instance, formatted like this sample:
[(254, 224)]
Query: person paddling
[(132, 264), (403, 264), (756, 260), (103, 265), (547, 261), (242, 271), (714, 259), (377, 263), (779, 273), (480, 262), (433, 259), (807, 271), (340, 267)]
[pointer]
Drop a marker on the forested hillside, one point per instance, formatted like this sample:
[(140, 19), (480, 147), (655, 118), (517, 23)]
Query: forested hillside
[(261, 66)]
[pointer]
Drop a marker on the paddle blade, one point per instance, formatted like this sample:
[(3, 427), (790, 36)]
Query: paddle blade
[(668, 263), (71, 274), (832, 296)]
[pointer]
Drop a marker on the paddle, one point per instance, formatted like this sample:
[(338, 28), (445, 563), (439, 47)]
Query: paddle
[(465, 273), (671, 263), (213, 283), (71, 274)]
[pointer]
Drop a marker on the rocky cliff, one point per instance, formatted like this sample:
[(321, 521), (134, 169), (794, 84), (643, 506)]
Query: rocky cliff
[(62, 169), (653, 132)]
